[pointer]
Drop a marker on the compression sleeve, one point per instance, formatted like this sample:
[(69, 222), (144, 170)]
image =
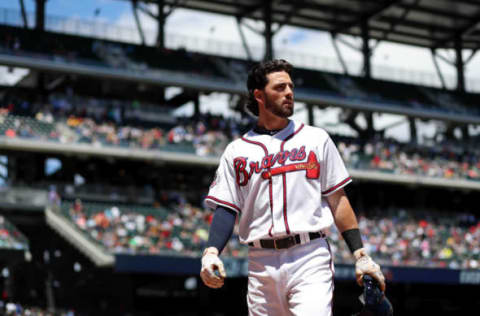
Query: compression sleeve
[(222, 228)]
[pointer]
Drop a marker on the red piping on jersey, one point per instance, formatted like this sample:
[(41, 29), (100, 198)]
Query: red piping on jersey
[(256, 143), (336, 187), (284, 176), (270, 185), (230, 205), (284, 179)]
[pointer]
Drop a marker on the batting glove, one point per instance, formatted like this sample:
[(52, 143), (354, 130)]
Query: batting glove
[(210, 264), (365, 265)]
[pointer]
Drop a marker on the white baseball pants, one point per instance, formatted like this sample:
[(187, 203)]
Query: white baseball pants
[(295, 281)]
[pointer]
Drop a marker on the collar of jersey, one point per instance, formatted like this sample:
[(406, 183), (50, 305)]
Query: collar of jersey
[(278, 133)]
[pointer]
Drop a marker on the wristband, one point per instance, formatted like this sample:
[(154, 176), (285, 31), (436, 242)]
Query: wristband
[(353, 239), (210, 250)]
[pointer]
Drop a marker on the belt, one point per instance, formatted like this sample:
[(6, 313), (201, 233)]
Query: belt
[(287, 242)]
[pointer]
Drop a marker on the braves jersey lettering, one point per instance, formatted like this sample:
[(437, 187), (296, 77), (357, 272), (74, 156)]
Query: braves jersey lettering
[(278, 183), (240, 163)]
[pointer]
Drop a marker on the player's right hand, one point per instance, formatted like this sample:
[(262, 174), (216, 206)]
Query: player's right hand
[(366, 265), (210, 264)]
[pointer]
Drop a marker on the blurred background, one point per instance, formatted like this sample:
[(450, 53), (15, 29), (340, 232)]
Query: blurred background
[(113, 115)]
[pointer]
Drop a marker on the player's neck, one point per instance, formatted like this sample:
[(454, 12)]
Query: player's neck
[(272, 123)]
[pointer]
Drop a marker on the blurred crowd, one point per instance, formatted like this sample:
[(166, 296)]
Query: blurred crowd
[(118, 125), (183, 229), (448, 160), (399, 237), (208, 135), (396, 237), (10, 308)]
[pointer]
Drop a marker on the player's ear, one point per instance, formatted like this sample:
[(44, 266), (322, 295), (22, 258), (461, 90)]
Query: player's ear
[(259, 96)]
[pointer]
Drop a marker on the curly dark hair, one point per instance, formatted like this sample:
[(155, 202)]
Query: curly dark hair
[(257, 79)]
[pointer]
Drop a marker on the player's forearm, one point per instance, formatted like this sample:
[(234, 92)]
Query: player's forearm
[(348, 226), (346, 221), (221, 229)]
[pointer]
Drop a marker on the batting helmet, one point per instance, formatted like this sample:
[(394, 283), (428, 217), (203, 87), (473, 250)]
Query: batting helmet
[(374, 300)]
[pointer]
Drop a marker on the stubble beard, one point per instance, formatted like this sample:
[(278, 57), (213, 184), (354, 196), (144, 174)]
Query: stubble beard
[(279, 110)]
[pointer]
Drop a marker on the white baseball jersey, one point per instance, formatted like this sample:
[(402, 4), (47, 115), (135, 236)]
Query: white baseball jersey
[(277, 183)]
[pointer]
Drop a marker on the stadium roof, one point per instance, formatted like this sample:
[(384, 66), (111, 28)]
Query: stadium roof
[(425, 23)]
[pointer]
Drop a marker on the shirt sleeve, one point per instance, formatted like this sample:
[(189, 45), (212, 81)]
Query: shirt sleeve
[(333, 173), (224, 190)]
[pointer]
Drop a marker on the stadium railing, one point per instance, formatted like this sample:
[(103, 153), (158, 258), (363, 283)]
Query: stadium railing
[(98, 29), (410, 160), (11, 237)]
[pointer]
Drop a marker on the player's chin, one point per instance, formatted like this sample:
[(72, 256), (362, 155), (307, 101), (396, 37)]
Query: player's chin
[(284, 111), (288, 112), (288, 109)]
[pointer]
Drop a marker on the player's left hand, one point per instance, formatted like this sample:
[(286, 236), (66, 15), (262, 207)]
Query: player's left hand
[(211, 263), (366, 265)]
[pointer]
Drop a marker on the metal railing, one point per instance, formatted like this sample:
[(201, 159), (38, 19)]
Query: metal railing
[(208, 45), (15, 239)]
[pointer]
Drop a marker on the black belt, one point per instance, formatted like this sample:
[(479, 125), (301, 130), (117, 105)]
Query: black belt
[(287, 242)]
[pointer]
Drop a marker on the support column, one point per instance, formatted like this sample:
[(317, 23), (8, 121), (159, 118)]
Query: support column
[(12, 169), (413, 130), (268, 34), (196, 105), (40, 27), (244, 40), (465, 133), (41, 86), (459, 65), (4, 169), (40, 15), (24, 14), (367, 69), (370, 130), (311, 118), (349, 116), (137, 21), (437, 68), (160, 43), (450, 131), (333, 37), (49, 292)]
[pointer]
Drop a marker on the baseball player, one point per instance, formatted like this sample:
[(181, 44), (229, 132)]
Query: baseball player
[(285, 181)]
